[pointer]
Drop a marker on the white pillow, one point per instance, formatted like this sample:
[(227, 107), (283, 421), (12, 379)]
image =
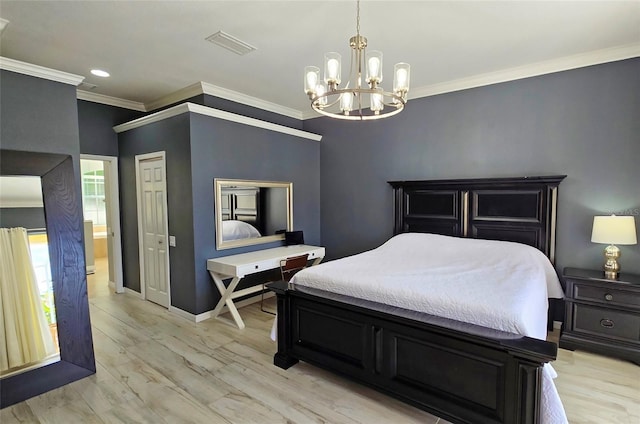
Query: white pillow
[(236, 230)]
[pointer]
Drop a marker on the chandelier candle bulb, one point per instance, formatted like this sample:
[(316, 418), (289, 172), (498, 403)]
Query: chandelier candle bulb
[(346, 102), (374, 68), (311, 77), (320, 90), (377, 102), (401, 80), (332, 69)]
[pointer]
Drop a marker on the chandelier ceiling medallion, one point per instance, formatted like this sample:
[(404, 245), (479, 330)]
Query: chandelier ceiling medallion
[(355, 102)]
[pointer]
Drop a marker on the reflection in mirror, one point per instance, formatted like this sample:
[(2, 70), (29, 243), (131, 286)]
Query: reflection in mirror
[(63, 211), (252, 212), (28, 328)]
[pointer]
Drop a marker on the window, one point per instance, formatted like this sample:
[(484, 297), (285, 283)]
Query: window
[(93, 198)]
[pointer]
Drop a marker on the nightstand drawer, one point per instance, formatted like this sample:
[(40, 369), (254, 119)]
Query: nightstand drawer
[(606, 322), (605, 295)]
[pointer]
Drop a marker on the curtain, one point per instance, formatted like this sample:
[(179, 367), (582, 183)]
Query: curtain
[(24, 332)]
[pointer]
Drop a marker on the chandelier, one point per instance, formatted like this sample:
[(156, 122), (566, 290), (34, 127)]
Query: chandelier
[(355, 102)]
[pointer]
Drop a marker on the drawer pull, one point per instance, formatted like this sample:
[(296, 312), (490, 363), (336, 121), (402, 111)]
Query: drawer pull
[(608, 296), (606, 323)]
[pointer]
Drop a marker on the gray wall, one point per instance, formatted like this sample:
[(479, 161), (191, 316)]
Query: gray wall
[(584, 123), (38, 115), (275, 210), (96, 122), (250, 111), (172, 136), (29, 218), (224, 149)]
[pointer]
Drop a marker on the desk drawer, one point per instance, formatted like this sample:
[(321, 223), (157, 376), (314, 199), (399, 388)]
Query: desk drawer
[(606, 295), (606, 322), (252, 268)]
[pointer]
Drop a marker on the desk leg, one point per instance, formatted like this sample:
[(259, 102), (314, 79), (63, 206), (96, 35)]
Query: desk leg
[(225, 298)]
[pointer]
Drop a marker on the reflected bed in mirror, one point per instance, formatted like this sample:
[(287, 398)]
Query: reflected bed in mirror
[(252, 212)]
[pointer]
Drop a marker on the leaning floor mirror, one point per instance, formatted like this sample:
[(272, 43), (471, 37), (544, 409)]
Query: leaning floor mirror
[(63, 236), (252, 212)]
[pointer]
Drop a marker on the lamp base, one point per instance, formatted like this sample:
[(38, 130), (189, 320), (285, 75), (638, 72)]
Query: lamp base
[(611, 266)]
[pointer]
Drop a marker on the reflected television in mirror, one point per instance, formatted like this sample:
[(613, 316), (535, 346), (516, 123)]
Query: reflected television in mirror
[(252, 212)]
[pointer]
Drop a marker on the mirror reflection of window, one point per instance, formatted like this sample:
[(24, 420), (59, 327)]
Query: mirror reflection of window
[(27, 338)]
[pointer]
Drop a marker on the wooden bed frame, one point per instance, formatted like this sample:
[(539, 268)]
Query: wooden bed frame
[(461, 372)]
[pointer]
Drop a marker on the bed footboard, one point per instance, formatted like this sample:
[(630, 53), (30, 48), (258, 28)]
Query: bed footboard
[(461, 372)]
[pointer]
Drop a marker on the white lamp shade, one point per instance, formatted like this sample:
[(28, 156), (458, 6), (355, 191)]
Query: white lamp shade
[(614, 230)]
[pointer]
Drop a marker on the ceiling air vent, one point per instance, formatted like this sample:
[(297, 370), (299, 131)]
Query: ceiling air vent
[(86, 86), (231, 43)]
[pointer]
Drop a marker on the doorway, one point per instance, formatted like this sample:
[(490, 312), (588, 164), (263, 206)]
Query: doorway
[(153, 228), (101, 209)]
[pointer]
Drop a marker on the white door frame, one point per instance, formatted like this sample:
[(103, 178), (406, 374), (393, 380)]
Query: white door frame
[(114, 201), (139, 158)]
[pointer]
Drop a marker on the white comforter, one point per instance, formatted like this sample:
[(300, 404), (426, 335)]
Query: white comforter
[(495, 284)]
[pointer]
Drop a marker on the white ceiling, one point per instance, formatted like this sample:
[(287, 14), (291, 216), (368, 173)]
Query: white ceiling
[(20, 192), (154, 48)]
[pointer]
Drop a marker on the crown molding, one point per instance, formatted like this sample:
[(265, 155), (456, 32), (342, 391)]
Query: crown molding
[(221, 114), (111, 101), (597, 57), (39, 71), (214, 90), (175, 97), (215, 113), (154, 117), (202, 87)]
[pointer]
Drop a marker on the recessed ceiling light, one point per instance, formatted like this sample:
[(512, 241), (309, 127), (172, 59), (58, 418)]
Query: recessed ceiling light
[(100, 73)]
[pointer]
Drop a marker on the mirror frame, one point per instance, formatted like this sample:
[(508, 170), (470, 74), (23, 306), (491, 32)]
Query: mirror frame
[(229, 244), (63, 214)]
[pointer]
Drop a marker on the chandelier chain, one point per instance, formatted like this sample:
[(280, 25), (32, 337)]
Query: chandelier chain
[(358, 20)]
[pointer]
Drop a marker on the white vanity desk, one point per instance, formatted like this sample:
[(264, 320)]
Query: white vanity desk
[(239, 266)]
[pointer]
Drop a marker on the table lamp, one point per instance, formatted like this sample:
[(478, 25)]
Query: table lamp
[(613, 230)]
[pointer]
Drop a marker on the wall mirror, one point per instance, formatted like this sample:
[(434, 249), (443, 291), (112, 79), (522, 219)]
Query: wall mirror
[(252, 212), (30, 340), (63, 216)]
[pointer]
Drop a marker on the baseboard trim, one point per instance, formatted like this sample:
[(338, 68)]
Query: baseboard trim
[(208, 314), (557, 325), (133, 293)]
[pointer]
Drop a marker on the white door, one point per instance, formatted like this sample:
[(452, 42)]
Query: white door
[(153, 228)]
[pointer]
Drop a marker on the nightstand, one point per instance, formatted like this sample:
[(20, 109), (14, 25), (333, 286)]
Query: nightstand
[(602, 315)]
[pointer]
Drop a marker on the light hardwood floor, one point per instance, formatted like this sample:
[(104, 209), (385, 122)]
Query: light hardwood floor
[(155, 367)]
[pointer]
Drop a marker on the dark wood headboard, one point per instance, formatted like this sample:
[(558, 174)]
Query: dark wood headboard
[(519, 209)]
